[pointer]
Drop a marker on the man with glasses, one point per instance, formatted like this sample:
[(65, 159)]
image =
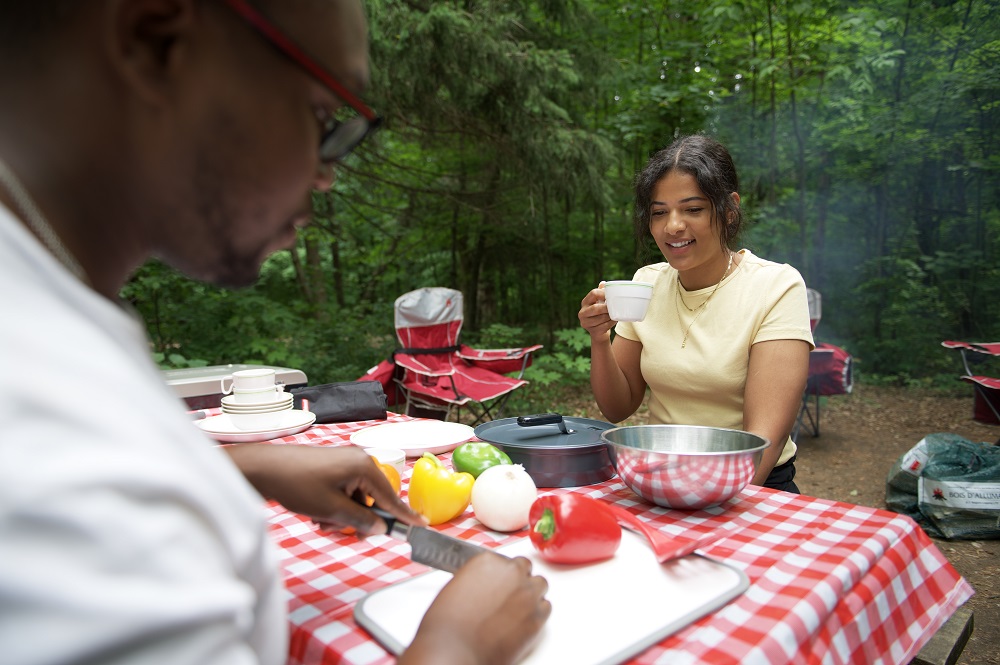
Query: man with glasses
[(192, 131)]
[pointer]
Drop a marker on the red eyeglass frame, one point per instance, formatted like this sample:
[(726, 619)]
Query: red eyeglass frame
[(303, 59)]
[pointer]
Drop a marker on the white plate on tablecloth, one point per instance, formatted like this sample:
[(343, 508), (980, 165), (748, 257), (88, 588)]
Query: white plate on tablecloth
[(221, 428), (414, 437)]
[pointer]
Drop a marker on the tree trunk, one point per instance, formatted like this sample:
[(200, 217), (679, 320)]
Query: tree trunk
[(800, 152), (552, 308), (598, 237), (816, 276), (316, 278), (338, 273), (472, 261), (300, 274), (772, 148)]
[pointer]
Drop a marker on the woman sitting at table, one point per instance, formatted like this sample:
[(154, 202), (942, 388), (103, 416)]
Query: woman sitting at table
[(726, 339)]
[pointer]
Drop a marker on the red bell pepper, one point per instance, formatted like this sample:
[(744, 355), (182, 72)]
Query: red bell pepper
[(571, 528)]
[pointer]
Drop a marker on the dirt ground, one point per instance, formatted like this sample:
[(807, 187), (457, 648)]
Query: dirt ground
[(860, 436)]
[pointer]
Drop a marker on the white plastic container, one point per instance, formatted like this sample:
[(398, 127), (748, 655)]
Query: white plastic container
[(392, 456)]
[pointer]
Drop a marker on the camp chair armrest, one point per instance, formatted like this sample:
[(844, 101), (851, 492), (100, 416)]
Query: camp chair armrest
[(417, 365), (470, 353), (975, 354), (501, 361), (984, 381)]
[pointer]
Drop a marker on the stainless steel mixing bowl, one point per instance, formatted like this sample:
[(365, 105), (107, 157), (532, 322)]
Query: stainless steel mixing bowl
[(684, 466)]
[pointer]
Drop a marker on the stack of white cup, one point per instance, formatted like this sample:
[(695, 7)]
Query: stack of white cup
[(257, 403)]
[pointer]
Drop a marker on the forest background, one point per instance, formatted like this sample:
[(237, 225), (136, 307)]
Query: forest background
[(865, 133)]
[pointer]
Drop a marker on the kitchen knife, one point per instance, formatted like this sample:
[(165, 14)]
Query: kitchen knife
[(430, 547)]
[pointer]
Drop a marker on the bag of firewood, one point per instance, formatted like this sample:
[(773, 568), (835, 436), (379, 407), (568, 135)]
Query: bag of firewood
[(950, 485)]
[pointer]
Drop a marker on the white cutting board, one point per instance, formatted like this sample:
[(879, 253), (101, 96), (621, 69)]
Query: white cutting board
[(602, 613)]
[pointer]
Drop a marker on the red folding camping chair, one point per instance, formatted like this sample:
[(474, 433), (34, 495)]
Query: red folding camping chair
[(433, 371), (986, 390), (831, 372)]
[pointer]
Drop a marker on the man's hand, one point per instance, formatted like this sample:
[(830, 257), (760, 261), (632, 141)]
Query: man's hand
[(490, 612), (327, 484)]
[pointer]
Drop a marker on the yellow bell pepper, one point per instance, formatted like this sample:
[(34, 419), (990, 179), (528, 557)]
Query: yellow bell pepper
[(437, 492)]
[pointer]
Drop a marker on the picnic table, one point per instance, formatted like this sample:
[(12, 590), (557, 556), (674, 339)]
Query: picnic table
[(830, 582)]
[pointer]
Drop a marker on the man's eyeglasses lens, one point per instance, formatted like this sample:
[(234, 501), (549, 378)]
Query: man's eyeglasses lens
[(343, 136)]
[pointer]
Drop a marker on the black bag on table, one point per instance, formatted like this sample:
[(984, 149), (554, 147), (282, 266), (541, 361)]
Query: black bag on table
[(343, 402)]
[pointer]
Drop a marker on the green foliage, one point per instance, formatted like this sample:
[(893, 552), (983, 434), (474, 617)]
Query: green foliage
[(865, 134), (565, 366), (499, 336), (567, 363), (176, 361), (187, 319), (907, 315)]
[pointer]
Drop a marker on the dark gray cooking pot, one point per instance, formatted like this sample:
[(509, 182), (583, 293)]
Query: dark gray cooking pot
[(555, 451)]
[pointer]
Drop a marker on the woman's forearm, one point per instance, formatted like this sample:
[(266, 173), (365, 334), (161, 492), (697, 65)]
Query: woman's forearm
[(776, 378), (768, 459), (609, 383)]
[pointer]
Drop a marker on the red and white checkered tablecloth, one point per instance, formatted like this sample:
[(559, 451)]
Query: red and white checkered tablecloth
[(830, 582)]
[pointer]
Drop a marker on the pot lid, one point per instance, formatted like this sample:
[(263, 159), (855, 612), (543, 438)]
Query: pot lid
[(545, 430)]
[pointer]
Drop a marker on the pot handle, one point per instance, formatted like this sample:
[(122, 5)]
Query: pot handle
[(544, 419)]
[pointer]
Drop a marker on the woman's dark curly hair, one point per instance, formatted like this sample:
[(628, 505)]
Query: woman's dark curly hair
[(712, 167)]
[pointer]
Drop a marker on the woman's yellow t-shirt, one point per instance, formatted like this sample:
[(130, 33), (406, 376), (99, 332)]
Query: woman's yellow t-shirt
[(703, 383)]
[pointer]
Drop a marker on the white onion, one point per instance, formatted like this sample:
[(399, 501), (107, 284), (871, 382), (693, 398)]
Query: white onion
[(502, 496)]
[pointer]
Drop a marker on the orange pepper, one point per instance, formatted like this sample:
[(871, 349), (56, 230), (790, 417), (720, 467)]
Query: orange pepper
[(390, 473)]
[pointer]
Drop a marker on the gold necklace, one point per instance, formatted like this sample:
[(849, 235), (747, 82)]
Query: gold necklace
[(36, 221), (700, 308), (680, 298)]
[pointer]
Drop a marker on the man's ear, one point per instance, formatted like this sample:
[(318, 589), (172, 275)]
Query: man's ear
[(145, 40)]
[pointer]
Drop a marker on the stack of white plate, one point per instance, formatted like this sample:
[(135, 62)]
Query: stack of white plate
[(257, 416)]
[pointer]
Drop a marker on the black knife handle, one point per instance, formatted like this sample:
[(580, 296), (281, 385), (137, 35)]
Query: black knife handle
[(390, 520)]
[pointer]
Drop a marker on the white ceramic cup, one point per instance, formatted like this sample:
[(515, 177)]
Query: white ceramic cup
[(391, 456), (264, 396), (627, 300), (248, 379)]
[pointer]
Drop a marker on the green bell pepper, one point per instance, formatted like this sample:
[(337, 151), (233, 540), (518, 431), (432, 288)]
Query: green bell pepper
[(474, 457)]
